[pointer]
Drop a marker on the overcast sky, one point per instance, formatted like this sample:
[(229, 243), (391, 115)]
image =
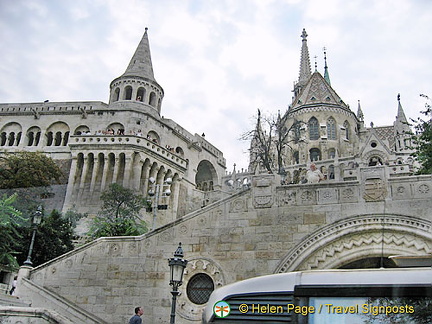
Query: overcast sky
[(219, 60)]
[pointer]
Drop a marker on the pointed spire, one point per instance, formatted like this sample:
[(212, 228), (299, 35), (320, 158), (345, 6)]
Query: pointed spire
[(360, 115), (305, 68), (326, 74), (141, 64), (401, 114)]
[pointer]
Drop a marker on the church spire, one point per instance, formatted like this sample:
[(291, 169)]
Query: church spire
[(401, 118), (360, 115), (305, 68), (326, 74), (141, 64)]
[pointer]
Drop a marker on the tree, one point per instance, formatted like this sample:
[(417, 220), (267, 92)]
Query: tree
[(271, 135), (27, 169), (8, 217), (54, 237), (119, 215), (421, 139)]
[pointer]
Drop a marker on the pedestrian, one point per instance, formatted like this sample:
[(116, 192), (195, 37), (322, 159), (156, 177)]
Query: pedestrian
[(136, 319), (14, 285)]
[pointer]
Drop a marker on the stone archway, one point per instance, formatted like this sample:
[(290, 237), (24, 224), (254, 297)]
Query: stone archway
[(358, 238)]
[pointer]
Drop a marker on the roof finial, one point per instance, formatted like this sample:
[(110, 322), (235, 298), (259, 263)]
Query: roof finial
[(316, 64), (398, 96), (304, 35)]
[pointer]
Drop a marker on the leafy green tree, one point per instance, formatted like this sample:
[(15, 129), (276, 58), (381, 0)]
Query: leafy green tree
[(8, 247), (54, 237), (119, 215), (27, 169), (421, 139)]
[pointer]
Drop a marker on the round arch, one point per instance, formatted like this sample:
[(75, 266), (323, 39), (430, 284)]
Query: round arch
[(206, 176), (359, 237)]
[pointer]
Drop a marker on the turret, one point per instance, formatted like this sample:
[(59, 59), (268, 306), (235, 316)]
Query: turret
[(138, 83)]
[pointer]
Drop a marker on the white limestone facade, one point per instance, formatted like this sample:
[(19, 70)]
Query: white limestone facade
[(126, 141)]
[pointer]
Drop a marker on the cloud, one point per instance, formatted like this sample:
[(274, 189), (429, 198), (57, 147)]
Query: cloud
[(218, 61)]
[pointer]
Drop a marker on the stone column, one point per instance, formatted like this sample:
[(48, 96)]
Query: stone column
[(116, 168), (83, 177), (127, 171), (70, 186), (104, 172)]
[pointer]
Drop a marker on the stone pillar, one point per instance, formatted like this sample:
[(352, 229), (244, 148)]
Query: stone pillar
[(116, 168), (127, 171), (83, 176), (94, 174), (70, 185), (104, 172)]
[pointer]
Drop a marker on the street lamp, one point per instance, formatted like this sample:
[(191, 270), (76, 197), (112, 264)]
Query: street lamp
[(36, 219), (177, 265), (154, 193)]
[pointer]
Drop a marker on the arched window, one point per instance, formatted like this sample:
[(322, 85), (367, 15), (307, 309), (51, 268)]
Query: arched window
[(58, 139), (152, 99), (296, 157), (331, 153), (30, 137), (11, 139), (331, 129), (65, 138), (3, 139), (116, 94), (49, 138), (346, 125), (315, 154), (199, 288), (313, 129), (140, 94), (128, 93)]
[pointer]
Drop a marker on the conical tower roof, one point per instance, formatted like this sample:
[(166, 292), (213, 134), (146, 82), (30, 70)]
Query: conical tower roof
[(141, 64)]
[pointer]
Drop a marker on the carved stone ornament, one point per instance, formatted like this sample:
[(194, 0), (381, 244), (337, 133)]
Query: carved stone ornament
[(185, 308), (374, 189)]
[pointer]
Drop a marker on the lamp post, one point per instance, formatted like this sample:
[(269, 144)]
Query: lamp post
[(36, 219), (154, 193), (177, 265)]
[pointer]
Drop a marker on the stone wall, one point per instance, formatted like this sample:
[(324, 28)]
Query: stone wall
[(262, 230)]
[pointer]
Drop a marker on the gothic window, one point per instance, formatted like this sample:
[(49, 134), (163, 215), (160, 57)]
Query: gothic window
[(313, 129), (315, 154), (331, 171), (347, 130), (331, 153), (199, 288), (128, 93), (296, 157), (331, 129)]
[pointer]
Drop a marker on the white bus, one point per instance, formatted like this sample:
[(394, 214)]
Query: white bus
[(397, 295)]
